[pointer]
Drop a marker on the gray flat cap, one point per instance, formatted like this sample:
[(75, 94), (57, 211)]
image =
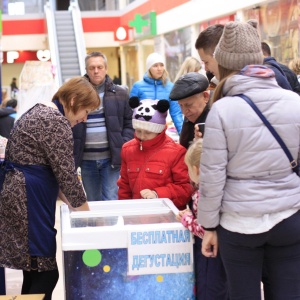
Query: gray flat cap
[(188, 85)]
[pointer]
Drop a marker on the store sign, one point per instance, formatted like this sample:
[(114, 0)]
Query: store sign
[(11, 57), (222, 21), (145, 26), (160, 252), (121, 34), (43, 55)]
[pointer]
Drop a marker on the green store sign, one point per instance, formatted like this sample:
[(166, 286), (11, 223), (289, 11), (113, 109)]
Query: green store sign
[(145, 26)]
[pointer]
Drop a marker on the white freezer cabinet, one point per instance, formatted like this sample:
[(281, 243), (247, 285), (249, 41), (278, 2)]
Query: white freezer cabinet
[(127, 249)]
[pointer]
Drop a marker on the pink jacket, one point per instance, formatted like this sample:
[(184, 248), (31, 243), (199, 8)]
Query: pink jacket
[(189, 219), (158, 165)]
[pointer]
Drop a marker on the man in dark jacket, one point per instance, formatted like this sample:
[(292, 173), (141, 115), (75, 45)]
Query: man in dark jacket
[(285, 77), (98, 142), (7, 121)]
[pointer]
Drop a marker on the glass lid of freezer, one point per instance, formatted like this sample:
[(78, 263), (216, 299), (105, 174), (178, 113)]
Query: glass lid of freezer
[(125, 212)]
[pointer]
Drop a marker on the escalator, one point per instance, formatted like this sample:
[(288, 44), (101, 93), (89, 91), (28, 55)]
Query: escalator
[(66, 41), (67, 49)]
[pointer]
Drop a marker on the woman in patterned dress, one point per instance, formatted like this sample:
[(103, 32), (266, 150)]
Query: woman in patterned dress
[(39, 166)]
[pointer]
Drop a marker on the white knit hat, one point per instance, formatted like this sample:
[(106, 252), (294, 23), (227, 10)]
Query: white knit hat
[(239, 46), (154, 58)]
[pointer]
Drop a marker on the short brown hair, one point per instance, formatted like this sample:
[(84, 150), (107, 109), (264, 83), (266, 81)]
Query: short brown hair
[(266, 50), (209, 38), (81, 91), (95, 54)]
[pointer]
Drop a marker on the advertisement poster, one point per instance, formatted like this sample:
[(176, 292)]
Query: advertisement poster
[(279, 25), (177, 47)]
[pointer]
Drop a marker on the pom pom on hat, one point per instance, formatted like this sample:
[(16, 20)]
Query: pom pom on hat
[(134, 102), (239, 46), (154, 58), (162, 105), (149, 114)]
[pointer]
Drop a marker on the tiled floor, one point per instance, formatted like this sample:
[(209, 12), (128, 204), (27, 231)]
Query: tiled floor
[(14, 277)]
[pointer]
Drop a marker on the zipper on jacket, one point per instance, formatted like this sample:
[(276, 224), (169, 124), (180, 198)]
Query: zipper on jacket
[(141, 146)]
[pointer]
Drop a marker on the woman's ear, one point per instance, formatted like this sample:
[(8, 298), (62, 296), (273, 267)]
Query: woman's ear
[(72, 102)]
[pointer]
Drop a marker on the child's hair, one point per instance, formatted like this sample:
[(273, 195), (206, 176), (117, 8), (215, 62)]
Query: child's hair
[(193, 154)]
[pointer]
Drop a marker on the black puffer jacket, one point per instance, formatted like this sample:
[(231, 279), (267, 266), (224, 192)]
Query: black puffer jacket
[(118, 120), (291, 77), (6, 121)]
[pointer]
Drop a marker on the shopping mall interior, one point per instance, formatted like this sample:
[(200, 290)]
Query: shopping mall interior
[(44, 43)]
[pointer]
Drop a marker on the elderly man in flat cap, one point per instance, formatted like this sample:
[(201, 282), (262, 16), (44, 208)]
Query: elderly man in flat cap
[(190, 90), (193, 97)]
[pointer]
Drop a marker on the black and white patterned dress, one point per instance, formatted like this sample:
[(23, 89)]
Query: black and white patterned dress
[(41, 137)]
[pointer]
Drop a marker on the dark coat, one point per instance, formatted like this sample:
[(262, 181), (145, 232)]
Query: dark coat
[(291, 77), (118, 120), (187, 132), (6, 121), (280, 76)]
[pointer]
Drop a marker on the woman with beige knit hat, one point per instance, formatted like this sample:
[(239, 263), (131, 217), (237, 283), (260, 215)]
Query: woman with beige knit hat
[(249, 187)]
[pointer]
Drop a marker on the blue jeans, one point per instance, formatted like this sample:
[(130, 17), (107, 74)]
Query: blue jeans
[(100, 179), (278, 250)]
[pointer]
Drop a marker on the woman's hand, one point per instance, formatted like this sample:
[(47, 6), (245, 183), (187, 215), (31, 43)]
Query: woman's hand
[(148, 194), (210, 244), (83, 207)]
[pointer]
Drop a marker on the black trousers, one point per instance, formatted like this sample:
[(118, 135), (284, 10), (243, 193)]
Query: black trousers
[(35, 282), (246, 255), (211, 282)]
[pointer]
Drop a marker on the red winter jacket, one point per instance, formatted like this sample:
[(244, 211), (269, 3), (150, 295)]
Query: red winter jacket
[(158, 165)]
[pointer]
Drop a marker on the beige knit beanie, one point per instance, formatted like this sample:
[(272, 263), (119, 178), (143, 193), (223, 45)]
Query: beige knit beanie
[(239, 46)]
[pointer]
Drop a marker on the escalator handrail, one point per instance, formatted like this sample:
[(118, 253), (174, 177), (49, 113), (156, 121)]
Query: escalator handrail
[(79, 36), (52, 38)]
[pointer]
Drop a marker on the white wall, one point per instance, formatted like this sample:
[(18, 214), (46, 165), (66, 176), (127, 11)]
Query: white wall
[(196, 11)]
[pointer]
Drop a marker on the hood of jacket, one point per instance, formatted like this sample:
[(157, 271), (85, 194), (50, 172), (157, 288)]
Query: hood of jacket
[(250, 76)]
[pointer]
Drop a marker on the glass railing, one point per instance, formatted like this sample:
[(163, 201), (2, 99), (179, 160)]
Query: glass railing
[(95, 5), (19, 7)]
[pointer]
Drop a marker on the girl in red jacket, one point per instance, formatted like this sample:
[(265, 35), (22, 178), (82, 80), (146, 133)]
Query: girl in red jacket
[(152, 163)]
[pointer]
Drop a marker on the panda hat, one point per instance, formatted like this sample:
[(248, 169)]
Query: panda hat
[(149, 114)]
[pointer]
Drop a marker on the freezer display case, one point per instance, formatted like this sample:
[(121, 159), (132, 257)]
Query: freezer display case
[(129, 249)]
